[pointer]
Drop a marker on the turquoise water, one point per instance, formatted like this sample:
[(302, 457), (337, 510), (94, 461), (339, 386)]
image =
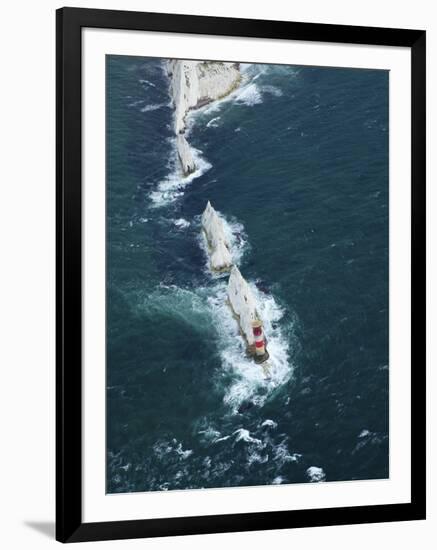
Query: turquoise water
[(296, 161)]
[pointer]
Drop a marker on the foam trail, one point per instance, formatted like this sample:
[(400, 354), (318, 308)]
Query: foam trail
[(273, 90), (248, 382), (242, 434), (181, 223), (136, 102), (153, 107), (147, 82), (173, 186), (213, 122), (249, 95)]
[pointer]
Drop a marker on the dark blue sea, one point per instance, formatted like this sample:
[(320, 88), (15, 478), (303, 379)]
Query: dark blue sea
[(296, 162)]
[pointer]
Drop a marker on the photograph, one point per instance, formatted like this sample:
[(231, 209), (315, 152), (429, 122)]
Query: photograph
[(247, 274), (216, 274)]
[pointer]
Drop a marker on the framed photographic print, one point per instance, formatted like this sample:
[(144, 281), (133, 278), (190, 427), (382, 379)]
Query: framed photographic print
[(241, 274)]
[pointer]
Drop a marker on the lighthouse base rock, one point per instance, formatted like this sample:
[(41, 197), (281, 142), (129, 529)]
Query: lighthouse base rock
[(243, 303)]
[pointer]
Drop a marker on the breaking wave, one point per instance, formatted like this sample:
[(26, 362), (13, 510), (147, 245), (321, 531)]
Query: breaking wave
[(153, 107), (252, 93), (213, 122), (181, 223), (147, 82), (249, 95), (248, 382), (173, 186), (207, 307)]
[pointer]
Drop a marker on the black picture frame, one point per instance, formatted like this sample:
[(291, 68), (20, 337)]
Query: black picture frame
[(69, 24)]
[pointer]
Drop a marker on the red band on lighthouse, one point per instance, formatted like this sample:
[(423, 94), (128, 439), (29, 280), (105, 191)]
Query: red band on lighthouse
[(259, 341)]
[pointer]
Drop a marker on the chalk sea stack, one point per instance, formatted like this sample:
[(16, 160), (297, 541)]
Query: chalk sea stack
[(219, 247), (194, 84), (243, 304), (185, 155), (240, 295)]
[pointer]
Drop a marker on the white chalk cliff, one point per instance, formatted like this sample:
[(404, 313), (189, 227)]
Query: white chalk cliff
[(218, 244), (243, 303), (184, 89), (194, 84)]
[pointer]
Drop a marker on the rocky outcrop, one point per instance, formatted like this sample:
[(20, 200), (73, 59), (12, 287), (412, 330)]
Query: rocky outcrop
[(243, 304), (216, 80), (218, 244), (185, 155), (194, 84), (184, 90), (197, 83), (240, 295)]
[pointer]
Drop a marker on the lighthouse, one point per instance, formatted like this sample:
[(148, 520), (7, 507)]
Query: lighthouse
[(261, 353)]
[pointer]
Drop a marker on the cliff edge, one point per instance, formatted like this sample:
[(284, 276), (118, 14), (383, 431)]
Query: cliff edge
[(192, 85)]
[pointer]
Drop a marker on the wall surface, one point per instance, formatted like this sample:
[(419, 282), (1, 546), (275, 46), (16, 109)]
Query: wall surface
[(27, 233)]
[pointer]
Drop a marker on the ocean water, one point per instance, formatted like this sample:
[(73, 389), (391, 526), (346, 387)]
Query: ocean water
[(296, 161)]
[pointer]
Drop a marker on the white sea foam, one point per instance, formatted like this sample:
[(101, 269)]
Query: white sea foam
[(249, 95), (163, 448), (209, 434), (244, 435), (173, 186), (147, 83), (183, 454), (316, 474), (213, 122), (248, 381), (237, 238), (252, 92), (269, 424), (136, 103), (254, 457), (181, 223), (207, 308), (281, 455), (246, 93), (153, 107), (224, 438), (278, 480), (272, 90)]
